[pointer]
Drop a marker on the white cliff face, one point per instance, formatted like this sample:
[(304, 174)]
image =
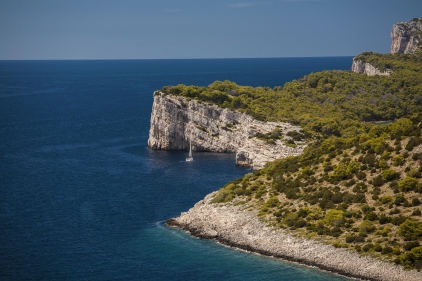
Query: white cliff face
[(406, 36), (368, 69), (175, 119)]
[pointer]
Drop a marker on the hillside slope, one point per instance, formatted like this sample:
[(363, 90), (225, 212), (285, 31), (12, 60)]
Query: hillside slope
[(358, 184)]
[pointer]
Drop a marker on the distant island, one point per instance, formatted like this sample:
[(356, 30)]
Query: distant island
[(338, 160)]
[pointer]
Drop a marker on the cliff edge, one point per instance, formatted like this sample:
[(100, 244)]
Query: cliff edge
[(406, 36), (367, 68), (174, 119)]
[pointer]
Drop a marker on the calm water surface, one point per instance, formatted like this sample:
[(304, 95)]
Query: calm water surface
[(83, 198)]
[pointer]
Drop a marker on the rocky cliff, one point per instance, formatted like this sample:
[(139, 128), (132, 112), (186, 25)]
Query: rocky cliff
[(174, 119), (367, 68), (406, 36)]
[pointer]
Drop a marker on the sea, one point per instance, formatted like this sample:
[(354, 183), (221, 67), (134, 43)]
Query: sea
[(81, 195)]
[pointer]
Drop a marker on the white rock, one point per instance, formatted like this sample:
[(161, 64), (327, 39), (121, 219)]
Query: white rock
[(242, 229), (175, 119), (406, 36), (368, 69)]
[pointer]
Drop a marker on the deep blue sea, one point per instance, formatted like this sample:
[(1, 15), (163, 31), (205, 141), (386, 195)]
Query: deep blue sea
[(81, 195)]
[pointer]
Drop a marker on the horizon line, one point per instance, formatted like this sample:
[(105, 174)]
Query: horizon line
[(216, 58)]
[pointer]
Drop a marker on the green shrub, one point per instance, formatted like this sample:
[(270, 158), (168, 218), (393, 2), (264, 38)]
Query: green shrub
[(300, 223), (398, 220), (416, 212), (397, 160), (410, 230), (377, 248), (367, 247), (386, 199), (394, 211), (367, 227), (366, 209), (334, 217), (413, 142), (336, 231), (410, 245), (386, 250), (389, 175), (290, 219), (350, 238), (377, 181), (414, 258), (384, 219), (402, 127), (361, 175), (273, 202), (413, 173), (371, 216), (222, 196), (408, 184)]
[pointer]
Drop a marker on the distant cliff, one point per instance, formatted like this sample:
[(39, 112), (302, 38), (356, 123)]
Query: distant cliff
[(406, 36), (406, 39), (175, 119), (367, 68)]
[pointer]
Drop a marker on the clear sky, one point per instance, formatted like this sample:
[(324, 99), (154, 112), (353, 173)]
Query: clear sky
[(161, 29)]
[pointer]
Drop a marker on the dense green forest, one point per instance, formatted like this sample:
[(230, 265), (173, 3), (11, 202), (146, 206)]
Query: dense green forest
[(325, 103), (358, 184)]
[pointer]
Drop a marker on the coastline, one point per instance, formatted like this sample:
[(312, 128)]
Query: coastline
[(235, 227)]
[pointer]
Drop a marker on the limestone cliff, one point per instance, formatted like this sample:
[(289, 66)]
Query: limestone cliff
[(367, 68), (406, 36), (174, 119)]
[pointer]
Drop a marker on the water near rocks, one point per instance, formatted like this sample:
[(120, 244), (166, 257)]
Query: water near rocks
[(83, 198)]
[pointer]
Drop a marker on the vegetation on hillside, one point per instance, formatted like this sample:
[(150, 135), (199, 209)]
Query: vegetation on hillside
[(393, 62), (325, 103), (361, 193), (358, 184)]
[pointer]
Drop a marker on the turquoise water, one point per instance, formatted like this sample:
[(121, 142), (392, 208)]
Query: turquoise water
[(83, 198)]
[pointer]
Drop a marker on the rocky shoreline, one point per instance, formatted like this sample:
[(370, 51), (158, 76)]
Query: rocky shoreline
[(237, 227)]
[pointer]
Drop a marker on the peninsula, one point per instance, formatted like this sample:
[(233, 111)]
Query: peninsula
[(338, 156)]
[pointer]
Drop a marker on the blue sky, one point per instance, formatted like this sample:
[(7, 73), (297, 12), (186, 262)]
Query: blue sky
[(162, 29)]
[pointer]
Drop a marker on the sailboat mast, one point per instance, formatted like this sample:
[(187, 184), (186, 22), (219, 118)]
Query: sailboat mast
[(189, 159), (190, 146)]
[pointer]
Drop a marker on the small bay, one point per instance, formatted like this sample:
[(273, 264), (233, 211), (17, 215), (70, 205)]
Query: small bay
[(83, 198)]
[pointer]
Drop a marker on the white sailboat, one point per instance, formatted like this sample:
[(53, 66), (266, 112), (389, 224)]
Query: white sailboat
[(190, 158)]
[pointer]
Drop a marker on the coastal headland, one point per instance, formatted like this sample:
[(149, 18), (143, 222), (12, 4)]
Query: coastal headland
[(339, 160), (241, 228), (175, 119)]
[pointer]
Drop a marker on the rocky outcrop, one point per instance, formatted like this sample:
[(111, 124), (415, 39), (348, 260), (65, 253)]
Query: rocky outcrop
[(406, 39), (368, 69), (175, 119), (237, 227), (406, 36)]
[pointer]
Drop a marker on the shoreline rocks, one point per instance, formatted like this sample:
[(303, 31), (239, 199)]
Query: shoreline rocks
[(237, 227)]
